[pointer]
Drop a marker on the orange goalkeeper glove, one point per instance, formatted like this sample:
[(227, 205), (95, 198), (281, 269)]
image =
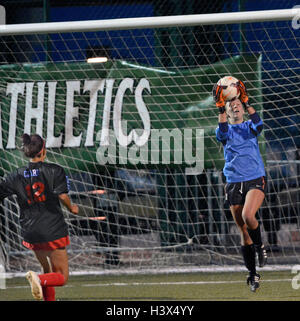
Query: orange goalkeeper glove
[(243, 94), (218, 98)]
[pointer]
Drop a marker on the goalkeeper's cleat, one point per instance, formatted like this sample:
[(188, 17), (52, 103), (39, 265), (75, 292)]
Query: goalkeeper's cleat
[(253, 281), (262, 256), (35, 283)]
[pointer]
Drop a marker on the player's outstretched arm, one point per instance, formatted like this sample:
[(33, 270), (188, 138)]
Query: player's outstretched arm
[(220, 102), (257, 123), (222, 130), (65, 199), (244, 97)]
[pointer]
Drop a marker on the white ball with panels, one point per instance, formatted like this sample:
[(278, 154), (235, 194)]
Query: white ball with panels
[(230, 87)]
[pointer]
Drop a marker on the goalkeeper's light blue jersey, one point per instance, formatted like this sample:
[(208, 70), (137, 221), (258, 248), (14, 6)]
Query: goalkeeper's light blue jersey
[(243, 161)]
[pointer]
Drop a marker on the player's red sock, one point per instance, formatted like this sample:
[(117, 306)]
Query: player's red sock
[(52, 279), (48, 293)]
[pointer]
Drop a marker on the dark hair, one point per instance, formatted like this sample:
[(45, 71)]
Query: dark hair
[(32, 145)]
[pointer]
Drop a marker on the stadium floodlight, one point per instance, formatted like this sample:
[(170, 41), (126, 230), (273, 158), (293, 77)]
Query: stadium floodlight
[(94, 60)]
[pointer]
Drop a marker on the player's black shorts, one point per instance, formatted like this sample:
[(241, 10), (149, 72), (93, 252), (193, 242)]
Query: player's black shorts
[(235, 193)]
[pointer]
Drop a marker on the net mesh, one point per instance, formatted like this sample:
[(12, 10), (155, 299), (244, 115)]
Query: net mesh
[(118, 130)]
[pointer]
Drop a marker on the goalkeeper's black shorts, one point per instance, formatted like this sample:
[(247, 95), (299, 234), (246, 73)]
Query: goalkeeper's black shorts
[(235, 193)]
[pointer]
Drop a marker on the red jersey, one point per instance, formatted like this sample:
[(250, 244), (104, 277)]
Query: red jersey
[(37, 187)]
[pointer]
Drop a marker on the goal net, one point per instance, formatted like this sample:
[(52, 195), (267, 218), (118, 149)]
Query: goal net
[(136, 134)]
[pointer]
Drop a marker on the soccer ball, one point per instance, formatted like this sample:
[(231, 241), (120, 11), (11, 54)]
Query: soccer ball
[(230, 87)]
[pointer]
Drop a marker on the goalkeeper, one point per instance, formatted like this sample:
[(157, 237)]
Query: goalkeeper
[(244, 172), (39, 187)]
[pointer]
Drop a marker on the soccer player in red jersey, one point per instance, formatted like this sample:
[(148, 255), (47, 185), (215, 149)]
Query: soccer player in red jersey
[(40, 187)]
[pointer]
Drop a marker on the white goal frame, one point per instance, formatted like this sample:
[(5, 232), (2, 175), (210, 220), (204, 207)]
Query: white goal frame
[(150, 22)]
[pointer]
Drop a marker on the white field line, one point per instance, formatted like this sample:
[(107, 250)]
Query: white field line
[(156, 283), (176, 283), (207, 269)]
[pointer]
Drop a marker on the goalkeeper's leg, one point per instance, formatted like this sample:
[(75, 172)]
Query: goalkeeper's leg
[(247, 247), (253, 202)]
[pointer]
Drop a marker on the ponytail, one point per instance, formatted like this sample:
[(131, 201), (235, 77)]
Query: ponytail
[(26, 139), (32, 145)]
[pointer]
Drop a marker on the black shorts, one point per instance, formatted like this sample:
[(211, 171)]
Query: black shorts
[(235, 193)]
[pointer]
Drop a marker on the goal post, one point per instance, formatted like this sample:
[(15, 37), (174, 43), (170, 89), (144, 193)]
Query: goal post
[(136, 134), (150, 22)]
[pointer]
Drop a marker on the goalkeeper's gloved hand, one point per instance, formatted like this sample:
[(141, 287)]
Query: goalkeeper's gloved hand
[(218, 98), (244, 98)]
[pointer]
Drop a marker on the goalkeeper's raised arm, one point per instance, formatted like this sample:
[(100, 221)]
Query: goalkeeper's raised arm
[(220, 103), (222, 130), (244, 172), (257, 124)]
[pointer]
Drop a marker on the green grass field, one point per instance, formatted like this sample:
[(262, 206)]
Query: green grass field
[(275, 286)]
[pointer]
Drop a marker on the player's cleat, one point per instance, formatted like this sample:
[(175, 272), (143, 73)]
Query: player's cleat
[(36, 288), (253, 282), (262, 256)]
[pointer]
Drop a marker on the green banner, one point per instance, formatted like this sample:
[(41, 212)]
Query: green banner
[(115, 110)]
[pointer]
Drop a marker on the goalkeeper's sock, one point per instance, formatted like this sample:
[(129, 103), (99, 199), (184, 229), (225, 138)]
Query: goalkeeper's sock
[(52, 279), (255, 236), (48, 293), (248, 252)]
